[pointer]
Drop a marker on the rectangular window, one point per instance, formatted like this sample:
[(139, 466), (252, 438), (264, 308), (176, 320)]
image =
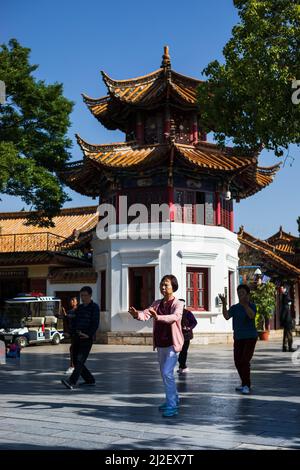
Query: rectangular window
[(200, 208), (209, 209), (226, 209), (196, 207), (141, 287), (197, 288)]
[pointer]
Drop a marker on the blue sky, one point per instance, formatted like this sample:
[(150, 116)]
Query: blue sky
[(72, 41)]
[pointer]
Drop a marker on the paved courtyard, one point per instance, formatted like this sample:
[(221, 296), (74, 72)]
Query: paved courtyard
[(120, 412)]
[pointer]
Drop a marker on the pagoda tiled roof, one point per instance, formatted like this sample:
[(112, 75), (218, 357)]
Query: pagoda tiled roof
[(282, 236), (286, 247), (122, 154), (267, 251), (142, 92), (150, 88), (283, 241), (207, 155), (17, 235), (130, 156)]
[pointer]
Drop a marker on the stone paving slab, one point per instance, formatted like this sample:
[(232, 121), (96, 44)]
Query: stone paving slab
[(120, 412)]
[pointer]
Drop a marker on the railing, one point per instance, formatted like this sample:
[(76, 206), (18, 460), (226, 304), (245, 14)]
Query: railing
[(37, 241)]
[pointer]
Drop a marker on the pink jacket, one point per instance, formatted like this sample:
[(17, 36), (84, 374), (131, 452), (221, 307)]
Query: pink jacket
[(174, 319)]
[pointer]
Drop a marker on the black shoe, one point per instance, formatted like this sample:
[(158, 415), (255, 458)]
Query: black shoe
[(292, 349), (87, 383), (284, 350), (67, 384)]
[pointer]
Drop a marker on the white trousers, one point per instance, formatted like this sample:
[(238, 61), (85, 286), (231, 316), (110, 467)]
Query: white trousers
[(167, 358)]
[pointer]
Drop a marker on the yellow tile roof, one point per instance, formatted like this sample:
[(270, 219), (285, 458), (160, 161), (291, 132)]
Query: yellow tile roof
[(15, 235), (123, 154), (282, 235), (285, 247), (142, 91), (208, 155), (88, 176), (268, 251)]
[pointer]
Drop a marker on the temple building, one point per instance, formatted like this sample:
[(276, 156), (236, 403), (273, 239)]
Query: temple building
[(278, 258), (54, 261), (165, 159)]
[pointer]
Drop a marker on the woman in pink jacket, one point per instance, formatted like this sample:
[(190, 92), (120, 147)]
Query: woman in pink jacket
[(167, 337)]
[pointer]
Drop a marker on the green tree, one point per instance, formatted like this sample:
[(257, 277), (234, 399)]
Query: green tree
[(248, 98), (33, 145), (264, 297)]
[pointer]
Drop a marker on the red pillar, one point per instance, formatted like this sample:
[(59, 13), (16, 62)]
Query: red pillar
[(231, 218), (218, 209), (171, 203)]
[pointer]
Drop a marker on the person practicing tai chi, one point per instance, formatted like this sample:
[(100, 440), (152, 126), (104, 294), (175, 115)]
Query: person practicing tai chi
[(244, 334), (167, 338)]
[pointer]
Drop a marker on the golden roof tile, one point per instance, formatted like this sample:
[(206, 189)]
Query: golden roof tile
[(17, 236), (262, 247), (142, 91), (282, 235), (285, 247), (210, 156), (122, 154), (243, 172)]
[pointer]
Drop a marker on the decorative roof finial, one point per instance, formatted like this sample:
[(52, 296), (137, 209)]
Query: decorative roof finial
[(166, 62)]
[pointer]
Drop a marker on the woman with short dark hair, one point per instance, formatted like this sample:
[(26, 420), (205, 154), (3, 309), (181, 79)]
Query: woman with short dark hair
[(167, 337)]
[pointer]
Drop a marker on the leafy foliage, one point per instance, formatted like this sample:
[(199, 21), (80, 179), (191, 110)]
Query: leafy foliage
[(33, 143), (248, 98), (264, 297)]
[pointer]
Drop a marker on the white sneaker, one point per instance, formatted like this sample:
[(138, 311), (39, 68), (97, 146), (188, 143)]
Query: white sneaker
[(245, 390), (239, 389), (69, 371)]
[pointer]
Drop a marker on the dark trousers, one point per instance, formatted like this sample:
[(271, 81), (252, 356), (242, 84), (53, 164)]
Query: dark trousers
[(81, 349), (71, 354), (287, 338), (183, 354), (243, 352)]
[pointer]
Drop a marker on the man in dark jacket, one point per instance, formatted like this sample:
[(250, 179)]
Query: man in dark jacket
[(82, 331), (286, 320)]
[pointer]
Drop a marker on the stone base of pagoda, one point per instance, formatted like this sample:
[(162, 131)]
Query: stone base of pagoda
[(145, 339)]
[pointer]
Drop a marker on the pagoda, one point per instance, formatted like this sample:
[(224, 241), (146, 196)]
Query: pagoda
[(165, 158)]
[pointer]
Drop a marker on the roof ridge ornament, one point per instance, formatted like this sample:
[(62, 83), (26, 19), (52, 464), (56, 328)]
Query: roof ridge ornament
[(280, 231), (166, 60)]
